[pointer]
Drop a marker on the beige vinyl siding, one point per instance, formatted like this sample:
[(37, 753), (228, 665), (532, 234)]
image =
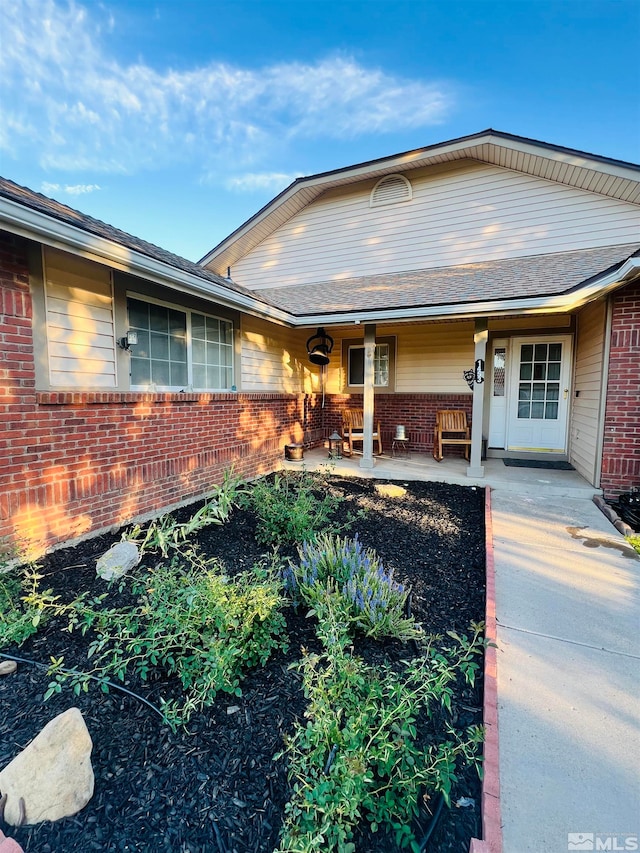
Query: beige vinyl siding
[(79, 317), (459, 214), (430, 357), (587, 389), (275, 359)]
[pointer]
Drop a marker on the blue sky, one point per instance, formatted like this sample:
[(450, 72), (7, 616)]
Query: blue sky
[(177, 120)]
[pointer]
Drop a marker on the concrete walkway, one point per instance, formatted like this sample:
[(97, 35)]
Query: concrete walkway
[(568, 663)]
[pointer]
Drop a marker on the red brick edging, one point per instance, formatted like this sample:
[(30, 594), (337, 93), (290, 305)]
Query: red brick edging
[(491, 822)]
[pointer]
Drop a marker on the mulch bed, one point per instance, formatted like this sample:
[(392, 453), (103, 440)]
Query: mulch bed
[(215, 788)]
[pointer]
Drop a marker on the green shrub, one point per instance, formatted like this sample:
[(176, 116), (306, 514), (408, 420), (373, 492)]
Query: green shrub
[(165, 533), (191, 621), (292, 507), (373, 601), (356, 758), (18, 620)]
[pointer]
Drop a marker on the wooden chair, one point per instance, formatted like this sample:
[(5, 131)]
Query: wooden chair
[(353, 429), (451, 428)]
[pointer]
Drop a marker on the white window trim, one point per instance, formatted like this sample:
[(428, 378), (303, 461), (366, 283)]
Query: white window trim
[(355, 343), (141, 297)]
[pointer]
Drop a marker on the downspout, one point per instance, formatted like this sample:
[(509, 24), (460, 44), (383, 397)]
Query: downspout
[(368, 395), (604, 386)]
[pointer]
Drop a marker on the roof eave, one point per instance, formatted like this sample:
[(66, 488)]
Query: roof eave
[(555, 304), (36, 225)]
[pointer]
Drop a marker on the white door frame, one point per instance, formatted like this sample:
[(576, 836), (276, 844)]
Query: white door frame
[(503, 407)]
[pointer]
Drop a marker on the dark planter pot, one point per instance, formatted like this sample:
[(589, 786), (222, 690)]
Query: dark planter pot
[(294, 452)]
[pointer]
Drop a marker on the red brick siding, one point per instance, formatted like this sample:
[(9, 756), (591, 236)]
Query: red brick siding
[(621, 447), (76, 463), (417, 412)]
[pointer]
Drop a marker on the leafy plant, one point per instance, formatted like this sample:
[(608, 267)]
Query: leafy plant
[(374, 602), (292, 507), (18, 620), (356, 757), (634, 541), (191, 620), (166, 533)]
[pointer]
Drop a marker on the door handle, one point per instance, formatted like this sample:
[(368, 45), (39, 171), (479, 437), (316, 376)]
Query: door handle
[(566, 393)]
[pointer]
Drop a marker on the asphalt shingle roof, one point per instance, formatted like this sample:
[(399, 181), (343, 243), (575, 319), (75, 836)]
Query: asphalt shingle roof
[(43, 204), (537, 275)]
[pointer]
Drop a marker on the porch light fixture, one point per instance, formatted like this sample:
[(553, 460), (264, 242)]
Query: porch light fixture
[(319, 347), (129, 340), (335, 446)]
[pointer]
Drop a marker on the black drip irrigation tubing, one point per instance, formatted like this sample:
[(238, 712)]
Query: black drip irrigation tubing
[(92, 677), (433, 822)]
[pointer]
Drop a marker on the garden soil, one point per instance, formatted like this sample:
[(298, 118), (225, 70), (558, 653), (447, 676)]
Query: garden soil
[(216, 787)]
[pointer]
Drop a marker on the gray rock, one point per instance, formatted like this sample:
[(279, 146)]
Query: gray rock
[(7, 667), (117, 561), (52, 777)]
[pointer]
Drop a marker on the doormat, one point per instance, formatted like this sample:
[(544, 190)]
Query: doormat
[(549, 464)]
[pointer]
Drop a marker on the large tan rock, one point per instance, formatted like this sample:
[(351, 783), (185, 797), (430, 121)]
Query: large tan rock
[(53, 774), (390, 490)]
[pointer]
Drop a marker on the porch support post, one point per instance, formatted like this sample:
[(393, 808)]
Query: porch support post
[(367, 396), (476, 468)]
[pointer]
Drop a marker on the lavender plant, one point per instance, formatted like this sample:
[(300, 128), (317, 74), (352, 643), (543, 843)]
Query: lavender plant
[(374, 602)]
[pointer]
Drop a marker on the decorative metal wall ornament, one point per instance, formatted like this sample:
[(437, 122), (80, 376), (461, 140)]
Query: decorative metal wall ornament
[(470, 377), (475, 376), (319, 347)]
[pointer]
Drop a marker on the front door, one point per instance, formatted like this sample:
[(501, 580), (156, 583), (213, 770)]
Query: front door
[(539, 394)]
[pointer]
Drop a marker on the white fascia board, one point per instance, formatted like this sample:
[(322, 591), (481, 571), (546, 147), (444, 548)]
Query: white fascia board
[(495, 308), (36, 225)]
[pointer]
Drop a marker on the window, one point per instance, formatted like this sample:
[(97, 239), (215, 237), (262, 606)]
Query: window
[(539, 387), (178, 348), (383, 363)]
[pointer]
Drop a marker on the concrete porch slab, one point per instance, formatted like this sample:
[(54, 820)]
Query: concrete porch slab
[(422, 466)]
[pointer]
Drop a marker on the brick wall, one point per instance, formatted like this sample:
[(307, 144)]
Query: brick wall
[(417, 412), (72, 464), (621, 447)]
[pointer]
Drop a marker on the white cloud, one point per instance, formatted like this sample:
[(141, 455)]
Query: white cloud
[(72, 106), (252, 181), (68, 189)]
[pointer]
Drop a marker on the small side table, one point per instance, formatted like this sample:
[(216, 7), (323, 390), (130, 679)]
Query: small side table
[(400, 448)]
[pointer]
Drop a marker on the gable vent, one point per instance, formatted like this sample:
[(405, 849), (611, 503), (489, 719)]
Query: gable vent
[(389, 190)]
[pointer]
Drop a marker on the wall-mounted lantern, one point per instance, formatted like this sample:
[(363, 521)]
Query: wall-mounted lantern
[(129, 340), (319, 347)]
